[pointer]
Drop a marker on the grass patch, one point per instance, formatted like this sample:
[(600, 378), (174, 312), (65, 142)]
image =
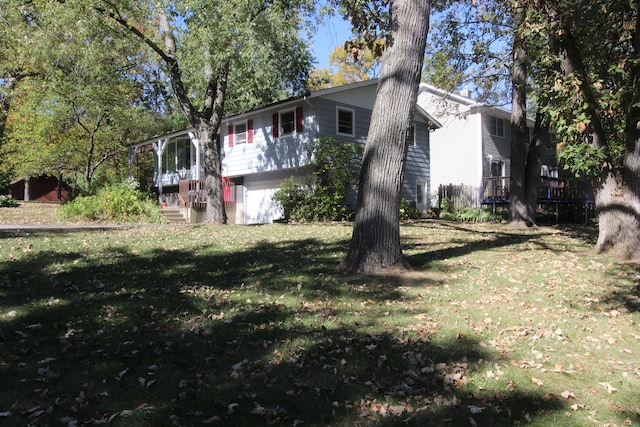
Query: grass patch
[(242, 326)]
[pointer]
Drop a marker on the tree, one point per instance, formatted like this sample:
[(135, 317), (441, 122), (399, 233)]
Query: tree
[(469, 47), (520, 212), (595, 109), (375, 242), (355, 61), (17, 27), (246, 53), (77, 112)]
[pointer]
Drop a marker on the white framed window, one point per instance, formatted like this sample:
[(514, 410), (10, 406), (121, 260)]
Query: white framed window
[(287, 122), (345, 121), (414, 135), (496, 126), (178, 155), (240, 132), (419, 193)]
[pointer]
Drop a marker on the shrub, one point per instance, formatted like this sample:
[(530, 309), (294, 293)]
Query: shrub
[(408, 210), (469, 214), (322, 195), (8, 202), (5, 182), (121, 202)]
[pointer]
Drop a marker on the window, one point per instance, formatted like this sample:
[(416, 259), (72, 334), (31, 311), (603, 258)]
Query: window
[(240, 131), (345, 121), (287, 122), (413, 131), (497, 168), (419, 194), (496, 126), (178, 155)]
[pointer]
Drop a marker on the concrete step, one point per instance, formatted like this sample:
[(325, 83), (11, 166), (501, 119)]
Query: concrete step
[(174, 215)]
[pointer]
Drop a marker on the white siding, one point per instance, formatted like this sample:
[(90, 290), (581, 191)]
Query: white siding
[(259, 206), (266, 153), (455, 148)]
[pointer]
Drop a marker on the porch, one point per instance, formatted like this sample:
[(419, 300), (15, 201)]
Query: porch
[(189, 203), (556, 196)]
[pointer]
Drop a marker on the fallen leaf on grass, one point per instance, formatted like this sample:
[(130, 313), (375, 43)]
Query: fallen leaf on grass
[(568, 395), (578, 406), (537, 381), (610, 389)]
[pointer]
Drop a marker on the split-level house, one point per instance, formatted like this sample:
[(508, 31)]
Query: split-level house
[(265, 146), (473, 147)]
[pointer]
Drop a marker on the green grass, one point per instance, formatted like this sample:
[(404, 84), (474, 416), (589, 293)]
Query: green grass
[(242, 326)]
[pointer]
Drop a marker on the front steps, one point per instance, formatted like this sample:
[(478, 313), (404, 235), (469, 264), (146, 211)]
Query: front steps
[(175, 215)]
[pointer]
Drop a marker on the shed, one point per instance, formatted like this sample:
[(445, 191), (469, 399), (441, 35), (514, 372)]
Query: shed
[(44, 188)]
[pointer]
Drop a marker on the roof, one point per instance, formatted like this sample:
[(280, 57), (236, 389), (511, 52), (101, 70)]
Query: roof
[(421, 112)]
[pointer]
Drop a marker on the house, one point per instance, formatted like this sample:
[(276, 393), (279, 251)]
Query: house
[(473, 147), (44, 188), (267, 145)]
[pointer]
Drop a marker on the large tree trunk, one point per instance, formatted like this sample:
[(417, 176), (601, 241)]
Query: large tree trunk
[(619, 206), (534, 163), (208, 137), (206, 123), (375, 243), (616, 203), (519, 131)]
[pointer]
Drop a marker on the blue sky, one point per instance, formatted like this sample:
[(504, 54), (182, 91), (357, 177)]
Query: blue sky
[(334, 31)]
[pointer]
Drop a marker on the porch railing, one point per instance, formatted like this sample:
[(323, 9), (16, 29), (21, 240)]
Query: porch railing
[(191, 193), (497, 189)]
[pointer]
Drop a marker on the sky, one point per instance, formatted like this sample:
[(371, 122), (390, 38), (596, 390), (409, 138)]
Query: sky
[(331, 33)]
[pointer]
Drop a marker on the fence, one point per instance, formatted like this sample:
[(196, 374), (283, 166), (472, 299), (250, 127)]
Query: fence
[(460, 195)]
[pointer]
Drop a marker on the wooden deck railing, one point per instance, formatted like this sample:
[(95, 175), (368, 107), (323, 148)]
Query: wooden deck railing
[(497, 189), (191, 193)]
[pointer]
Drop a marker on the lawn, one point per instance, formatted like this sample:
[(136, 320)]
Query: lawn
[(252, 325)]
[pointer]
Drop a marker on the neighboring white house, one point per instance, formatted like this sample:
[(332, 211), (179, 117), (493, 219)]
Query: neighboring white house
[(473, 146), (265, 146)]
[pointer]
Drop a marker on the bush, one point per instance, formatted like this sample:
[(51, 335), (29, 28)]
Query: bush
[(122, 202), (322, 195), (8, 202), (469, 214), (408, 210), (5, 183)]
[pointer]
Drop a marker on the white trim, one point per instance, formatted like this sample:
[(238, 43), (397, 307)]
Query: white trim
[(235, 132), (196, 145), (497, 128), (353, 120)]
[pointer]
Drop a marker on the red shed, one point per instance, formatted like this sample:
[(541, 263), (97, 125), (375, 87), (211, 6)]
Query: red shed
[(44, 188)]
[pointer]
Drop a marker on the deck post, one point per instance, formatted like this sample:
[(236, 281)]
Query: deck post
[(159, 147)]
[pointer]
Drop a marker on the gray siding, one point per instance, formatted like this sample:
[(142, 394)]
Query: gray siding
[(326, 119), (417, 167)]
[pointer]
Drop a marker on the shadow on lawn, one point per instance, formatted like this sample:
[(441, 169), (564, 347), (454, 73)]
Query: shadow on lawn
[(191, 337), (458, 247)]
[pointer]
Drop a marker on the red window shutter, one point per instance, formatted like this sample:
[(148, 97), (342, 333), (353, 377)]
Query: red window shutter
[(226, 188), (276, 125), (299, 127), (249, 131), (230, 135)]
